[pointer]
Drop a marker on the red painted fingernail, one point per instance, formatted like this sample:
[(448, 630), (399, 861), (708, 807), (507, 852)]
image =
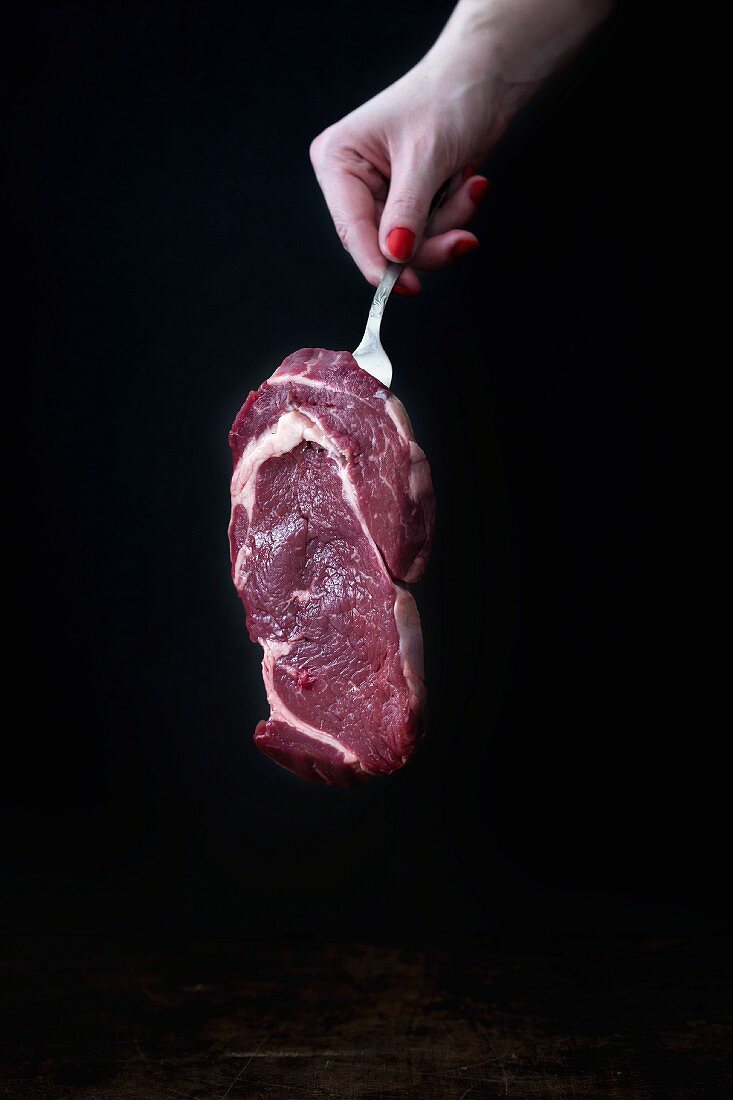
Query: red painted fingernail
[(478, 190), (462, 247), (401, 242), (468, 171), (406, 291)]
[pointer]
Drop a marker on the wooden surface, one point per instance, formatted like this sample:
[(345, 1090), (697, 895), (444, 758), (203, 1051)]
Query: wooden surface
[(620, 1019)]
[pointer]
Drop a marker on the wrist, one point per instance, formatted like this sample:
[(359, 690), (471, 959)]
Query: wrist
[(514, 45), (474, 59)]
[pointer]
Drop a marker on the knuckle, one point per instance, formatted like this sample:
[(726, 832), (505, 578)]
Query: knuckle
[(349, 231), (408, 202), (343, 229), (328, 145), (321, 146), (315, 150)]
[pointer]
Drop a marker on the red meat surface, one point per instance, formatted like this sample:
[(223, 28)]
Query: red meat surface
[(332, 514)]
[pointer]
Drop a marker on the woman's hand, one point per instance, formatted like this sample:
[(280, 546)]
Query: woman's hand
[(380, 166)]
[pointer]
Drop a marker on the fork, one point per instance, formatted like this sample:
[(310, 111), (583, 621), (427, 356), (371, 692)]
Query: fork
[(370, 355)]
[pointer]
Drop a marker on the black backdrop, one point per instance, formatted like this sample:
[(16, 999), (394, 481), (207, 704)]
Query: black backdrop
[(170, 247)]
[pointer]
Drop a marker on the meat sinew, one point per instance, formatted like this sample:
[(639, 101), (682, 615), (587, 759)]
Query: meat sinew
[(332, 514)]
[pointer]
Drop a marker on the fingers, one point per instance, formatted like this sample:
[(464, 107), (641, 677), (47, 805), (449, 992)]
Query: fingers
[(447, 241), (411, 189), (350, 201), (460, 207), (354, 191), (437, 252), (375, 219), (461, 177)]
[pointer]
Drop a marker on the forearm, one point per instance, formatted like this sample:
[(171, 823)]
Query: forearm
[(380, 166), (506, 49)]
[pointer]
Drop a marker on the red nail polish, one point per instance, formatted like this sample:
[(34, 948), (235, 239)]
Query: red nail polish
[(406, 291), (468, 171), (461, 248), (478, 190), (401, 242)]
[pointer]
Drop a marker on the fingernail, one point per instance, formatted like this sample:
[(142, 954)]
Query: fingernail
[(478, 190), (406, 291), (468, 171), (401, 242), (462, 247)]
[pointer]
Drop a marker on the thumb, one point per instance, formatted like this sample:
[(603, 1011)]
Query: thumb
[(406, 210)]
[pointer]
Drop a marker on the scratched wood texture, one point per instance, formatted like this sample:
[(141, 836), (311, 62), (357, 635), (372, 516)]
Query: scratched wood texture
[(619, 1019)]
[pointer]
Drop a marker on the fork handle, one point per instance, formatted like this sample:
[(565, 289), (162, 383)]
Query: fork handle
[(392, 271), (388, 280)]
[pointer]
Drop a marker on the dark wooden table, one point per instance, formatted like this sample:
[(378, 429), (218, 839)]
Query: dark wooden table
[(625, 1018)]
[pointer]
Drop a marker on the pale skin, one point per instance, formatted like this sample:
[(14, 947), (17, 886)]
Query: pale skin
[(380, 166)]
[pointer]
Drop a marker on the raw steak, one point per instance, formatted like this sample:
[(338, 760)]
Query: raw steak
[(332, 512)]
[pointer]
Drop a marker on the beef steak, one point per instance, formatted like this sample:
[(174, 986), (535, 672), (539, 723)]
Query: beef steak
[(332, 514)]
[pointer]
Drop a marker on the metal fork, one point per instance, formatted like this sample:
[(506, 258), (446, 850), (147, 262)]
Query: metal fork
[(370, 355)]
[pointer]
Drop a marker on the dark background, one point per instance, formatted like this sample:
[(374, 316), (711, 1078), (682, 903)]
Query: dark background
[(169, 247)]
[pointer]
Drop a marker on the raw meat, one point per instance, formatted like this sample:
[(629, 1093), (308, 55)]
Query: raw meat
[(332, 513)]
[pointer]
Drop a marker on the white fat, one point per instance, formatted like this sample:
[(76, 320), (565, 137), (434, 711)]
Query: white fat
[(275, 648), (292, 429), (283, 379), (407, 619), (300, 379), (286, 434), (398, 415), (238, 572), (419, 481), (419, 477), (280, 713), (320, 383)]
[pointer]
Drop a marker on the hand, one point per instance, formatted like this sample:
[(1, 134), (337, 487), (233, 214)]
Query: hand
[(380, 166)]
